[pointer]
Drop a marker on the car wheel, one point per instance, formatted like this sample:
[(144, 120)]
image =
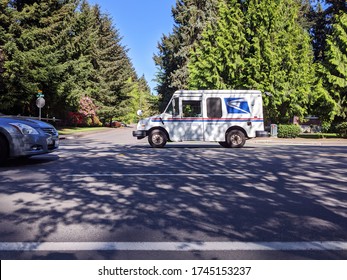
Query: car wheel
[(157, 138), (236, 139), (3, 149)]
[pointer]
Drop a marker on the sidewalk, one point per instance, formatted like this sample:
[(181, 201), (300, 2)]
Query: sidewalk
[(300, 141)]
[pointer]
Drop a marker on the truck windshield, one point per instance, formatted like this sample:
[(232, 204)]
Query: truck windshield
[(173, 107)]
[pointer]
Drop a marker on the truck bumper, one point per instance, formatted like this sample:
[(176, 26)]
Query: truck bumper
[(140, 134)]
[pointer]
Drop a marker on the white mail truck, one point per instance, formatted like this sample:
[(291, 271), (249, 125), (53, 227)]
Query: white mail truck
[(229, 117)]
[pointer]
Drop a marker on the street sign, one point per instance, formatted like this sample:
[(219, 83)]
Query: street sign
[(39, 94), (40, 102)]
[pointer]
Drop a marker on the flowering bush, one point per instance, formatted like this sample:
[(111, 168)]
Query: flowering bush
[(75, 118), (86, 115), (87, 107)]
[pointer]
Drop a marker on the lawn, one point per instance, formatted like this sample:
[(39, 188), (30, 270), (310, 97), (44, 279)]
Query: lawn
[(72, 130), (318, 135)]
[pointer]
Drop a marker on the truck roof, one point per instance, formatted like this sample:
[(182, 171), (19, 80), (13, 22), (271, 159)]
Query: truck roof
[(213, 91)]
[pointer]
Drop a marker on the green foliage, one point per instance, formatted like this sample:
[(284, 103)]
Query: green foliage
[(279, 59), (216, 60), (254, 44), (191, 17), (335, 72), (322, 103), (249, 45), (326, 126), (288, 131), (341, 129), (69, 50)]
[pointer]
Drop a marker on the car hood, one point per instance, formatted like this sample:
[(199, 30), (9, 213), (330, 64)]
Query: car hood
[(24, 120)]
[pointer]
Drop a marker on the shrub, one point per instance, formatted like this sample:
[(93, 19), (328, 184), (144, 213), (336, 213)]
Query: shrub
[(341, 130), (288, 131), (75, 119), (326, 127)]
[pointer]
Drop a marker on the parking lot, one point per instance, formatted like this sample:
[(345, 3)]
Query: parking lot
[(109, 196)]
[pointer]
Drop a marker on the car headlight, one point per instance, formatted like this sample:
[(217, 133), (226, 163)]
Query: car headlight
[(24, 129)]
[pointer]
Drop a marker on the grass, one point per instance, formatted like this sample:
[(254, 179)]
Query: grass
[(72, 130), (318, 135)]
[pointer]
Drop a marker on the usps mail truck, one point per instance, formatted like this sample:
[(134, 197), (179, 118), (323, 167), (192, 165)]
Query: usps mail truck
[(229, 117)]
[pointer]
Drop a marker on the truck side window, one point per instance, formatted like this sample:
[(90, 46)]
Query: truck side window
[(214, 107), (191, 109)]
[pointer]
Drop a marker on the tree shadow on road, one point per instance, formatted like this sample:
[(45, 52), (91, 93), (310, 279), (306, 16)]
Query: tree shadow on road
[(132, 194)]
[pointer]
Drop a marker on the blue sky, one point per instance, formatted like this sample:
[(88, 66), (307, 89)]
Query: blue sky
[(141, 23)]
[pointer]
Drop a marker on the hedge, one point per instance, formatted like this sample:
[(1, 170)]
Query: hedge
[(288, 131)]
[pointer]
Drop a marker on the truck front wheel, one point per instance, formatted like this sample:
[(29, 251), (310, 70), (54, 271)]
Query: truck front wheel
[(157, 138), (236, 139)]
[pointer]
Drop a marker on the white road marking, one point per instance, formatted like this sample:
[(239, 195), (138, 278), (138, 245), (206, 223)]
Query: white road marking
[(173, 246), (153, 175)]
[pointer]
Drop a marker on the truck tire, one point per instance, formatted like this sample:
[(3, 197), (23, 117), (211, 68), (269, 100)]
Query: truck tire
[(236, 139), (157, 138), (3, 149)]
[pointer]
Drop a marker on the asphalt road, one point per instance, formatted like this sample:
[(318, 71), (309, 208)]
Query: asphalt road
[(110, 196)]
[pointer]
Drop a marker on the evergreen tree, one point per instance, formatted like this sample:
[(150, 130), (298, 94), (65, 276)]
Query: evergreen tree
[(80, 77), (318, 31), (116, 75), (335, 73), (322, 16), (32, 56), (70, 51), (5, 22), (217, 58), (190, 18), (279, 59)]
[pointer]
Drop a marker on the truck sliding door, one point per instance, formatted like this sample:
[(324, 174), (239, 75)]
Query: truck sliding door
[(215, 127)]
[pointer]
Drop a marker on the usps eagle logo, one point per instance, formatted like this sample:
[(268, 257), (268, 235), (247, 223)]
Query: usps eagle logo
[(237, 106)]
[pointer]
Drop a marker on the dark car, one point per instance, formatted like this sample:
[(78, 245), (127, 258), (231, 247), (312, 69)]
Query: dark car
[(25, 137)]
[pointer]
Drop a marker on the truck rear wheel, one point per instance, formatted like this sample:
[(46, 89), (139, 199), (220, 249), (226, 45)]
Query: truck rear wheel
[(157, 138), (236, 139)]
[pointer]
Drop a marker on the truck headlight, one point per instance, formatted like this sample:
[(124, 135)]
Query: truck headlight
[(24, 129)]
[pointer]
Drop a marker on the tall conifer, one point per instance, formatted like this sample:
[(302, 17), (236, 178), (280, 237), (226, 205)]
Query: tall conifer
[(217, 58), (191, 17), (336, 63), (280, 57)]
